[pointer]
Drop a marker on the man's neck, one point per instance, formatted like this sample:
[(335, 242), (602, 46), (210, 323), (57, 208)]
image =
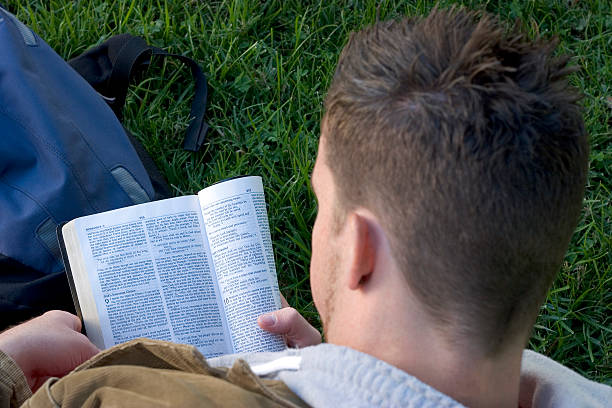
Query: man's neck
[(472, 381), (402, 335)]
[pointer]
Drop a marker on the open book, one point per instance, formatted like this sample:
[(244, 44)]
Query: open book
[(196, 269)]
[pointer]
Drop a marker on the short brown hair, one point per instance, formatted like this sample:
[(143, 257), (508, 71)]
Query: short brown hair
[(466, 140)]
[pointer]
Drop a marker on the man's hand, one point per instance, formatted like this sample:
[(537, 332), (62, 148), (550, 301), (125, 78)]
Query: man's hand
[(291, 325), (50, 345)]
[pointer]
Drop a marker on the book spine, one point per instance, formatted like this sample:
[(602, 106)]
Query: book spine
[(73, 292)]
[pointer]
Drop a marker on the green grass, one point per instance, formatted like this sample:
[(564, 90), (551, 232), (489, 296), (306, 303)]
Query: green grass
[(269, 64)]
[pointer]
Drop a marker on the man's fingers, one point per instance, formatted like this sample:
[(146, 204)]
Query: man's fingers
[(65, 318), (289, 323), (284, 302)]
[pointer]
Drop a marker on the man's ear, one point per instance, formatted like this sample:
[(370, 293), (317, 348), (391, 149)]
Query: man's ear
[(363, 250)]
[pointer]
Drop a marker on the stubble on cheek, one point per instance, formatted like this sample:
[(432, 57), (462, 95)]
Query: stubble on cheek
[(329, 300)]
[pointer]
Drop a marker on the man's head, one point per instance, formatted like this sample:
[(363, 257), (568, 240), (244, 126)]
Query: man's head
[(465, 141)]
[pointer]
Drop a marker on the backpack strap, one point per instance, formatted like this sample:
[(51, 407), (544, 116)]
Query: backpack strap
[(110, 67), (197, 128)]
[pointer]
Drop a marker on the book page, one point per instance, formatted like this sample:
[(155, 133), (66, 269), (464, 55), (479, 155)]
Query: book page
[(152, 276), (238, 232)]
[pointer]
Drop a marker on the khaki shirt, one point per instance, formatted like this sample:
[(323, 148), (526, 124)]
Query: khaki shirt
[(148, 373)]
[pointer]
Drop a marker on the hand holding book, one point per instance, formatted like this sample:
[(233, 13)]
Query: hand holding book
[(290, 324)]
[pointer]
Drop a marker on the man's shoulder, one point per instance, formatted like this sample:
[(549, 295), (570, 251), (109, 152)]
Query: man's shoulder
[(328, 374), (544, 382)]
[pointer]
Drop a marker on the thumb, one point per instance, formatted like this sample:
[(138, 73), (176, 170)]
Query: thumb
[(292, 326)]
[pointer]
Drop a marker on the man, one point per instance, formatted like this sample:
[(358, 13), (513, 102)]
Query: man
[(449, 176)]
